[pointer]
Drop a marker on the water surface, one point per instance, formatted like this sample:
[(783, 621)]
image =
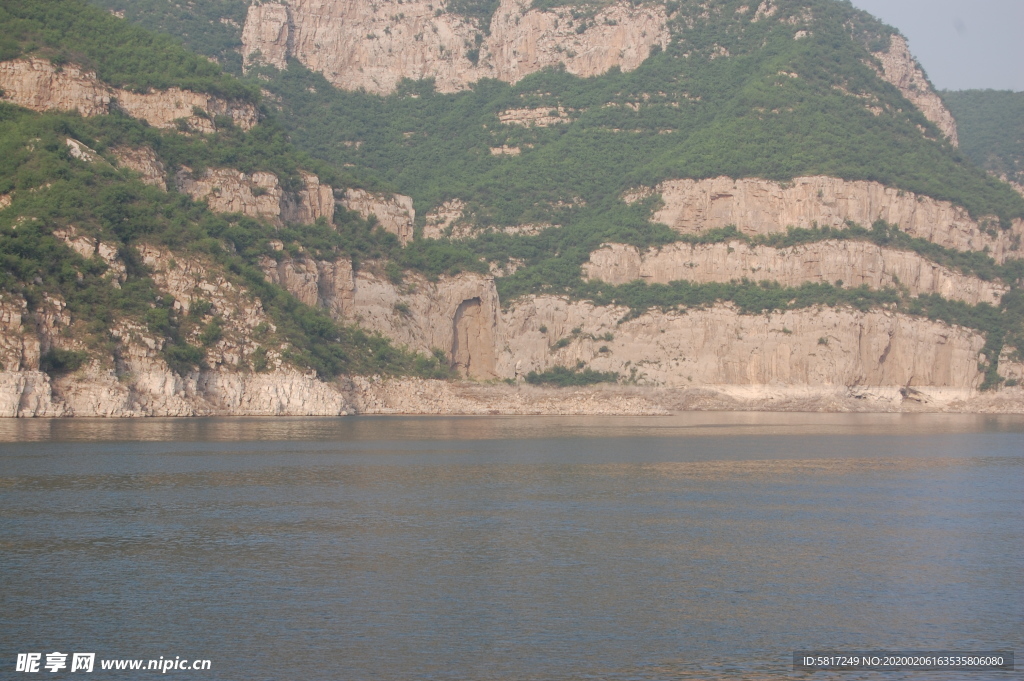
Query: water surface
[(697, 546)]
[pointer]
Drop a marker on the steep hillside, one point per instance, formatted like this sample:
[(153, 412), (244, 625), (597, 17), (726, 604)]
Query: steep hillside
[(992, 130), (121, 294), (738, 206)]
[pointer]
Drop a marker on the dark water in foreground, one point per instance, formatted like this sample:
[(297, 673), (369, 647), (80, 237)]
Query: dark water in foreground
[(697, 546)]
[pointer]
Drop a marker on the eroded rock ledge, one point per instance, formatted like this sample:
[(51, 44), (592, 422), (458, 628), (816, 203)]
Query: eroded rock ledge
[(38, 85), (854, 263), (757, 206)]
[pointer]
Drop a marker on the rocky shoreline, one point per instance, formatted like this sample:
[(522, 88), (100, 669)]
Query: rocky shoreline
[(32, 394)]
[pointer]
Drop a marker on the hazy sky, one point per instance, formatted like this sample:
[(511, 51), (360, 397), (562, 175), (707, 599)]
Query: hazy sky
[(962, 44)]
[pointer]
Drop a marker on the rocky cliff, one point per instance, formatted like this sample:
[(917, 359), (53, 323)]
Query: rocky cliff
[(393, 212), (374, 46), (816, 358), (260, 194), (757, 206), (39, 85), (796, 359), (898, 67), (854, 263)]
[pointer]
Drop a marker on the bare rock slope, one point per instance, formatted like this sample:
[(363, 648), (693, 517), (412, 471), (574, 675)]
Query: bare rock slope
[(758, 206), (374, 46), (38, 85)]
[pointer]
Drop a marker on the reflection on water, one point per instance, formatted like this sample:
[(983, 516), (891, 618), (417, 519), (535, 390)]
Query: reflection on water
[(497, 427), (699, 546)]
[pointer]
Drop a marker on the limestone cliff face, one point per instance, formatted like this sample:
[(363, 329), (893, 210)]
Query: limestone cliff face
[(757, 206), (457, 315), (227, 190), (393, 212), (359, 44), (93, 392), (900, 68), (866, 360), (38, 85), (136, 380), (719, 346), (855, 263)]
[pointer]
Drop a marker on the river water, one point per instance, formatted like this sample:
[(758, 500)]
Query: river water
[(695, 546)]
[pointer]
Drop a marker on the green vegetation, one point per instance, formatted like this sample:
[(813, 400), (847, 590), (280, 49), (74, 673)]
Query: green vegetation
[(686, 117), (70, 31), (748, 296), (210, 27), (687, 112), (56, 361), (990, 124), (565, 377), (53, 190)]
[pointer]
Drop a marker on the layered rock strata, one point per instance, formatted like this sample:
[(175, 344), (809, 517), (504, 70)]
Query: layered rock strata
[(799, 352), (39, 85), (854, 263), (457, 315), (820, 359), (899, 68), (718, 346), (758, 207), (260, 194), (374, 46)]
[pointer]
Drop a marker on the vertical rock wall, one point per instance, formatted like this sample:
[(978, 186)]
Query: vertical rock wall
[(374, 46)]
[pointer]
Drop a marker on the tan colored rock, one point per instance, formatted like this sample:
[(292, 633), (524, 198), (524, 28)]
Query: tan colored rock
[(901, 69), (800, 350), (5, 200), (758, 206), (505, 150), (445, 216), (855, 263), (90, 247), (812, 347), (35, 84), (394, 212), (227, 190), (418, 396), (539, 118), (38, 85), (19, 347), (314, 201), (27, 394), (267, 34), (318, 283), (766, 9), (144, 161), (457, 315), (524, 40), (190, 279), (81, 151), (374, 46)]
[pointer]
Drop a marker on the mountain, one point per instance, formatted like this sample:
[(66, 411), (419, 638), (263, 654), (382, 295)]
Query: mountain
[(456, 208), (993, 125)]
